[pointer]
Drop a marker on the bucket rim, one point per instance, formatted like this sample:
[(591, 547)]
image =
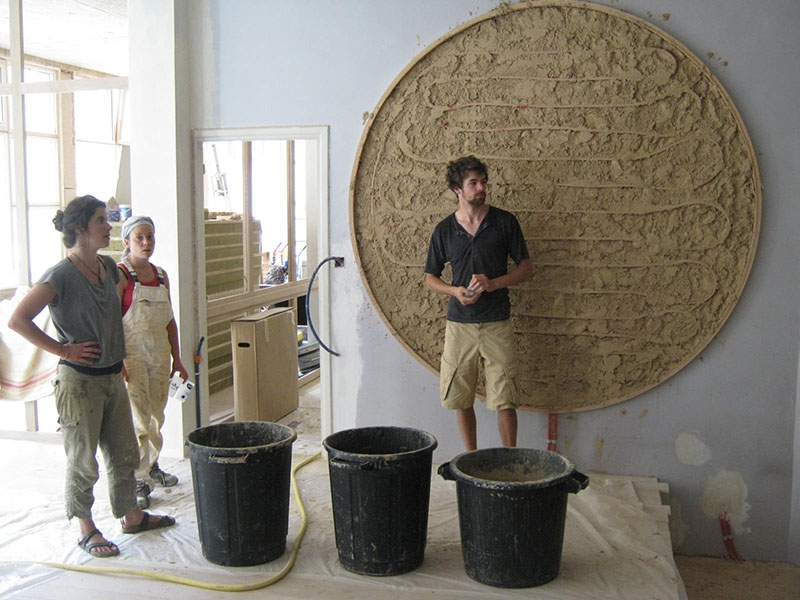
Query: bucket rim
[(561, 476), (291, 436), (362, 457)]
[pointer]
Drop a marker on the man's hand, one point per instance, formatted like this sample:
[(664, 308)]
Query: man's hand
[(467, 296), (480, 283)]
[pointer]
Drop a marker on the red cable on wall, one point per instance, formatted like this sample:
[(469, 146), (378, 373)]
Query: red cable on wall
[(552, 431), (727, 537)]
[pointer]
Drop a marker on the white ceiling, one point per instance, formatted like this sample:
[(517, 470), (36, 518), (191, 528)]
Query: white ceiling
[(87, 33)]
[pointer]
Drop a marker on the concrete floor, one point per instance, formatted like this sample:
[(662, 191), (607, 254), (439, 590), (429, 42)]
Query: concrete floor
[(707, 578)]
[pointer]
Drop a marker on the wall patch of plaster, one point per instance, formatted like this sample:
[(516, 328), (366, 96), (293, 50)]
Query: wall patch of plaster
[(725, 492), (691, 450), (627, 164)]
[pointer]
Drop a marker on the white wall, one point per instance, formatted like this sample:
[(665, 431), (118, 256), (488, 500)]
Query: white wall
[(161, 170), (309, 62)]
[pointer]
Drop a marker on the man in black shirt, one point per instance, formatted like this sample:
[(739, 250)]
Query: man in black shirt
[(477, 240)]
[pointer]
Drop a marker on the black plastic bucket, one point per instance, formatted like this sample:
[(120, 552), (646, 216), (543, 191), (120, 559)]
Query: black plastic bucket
[(512, 507), (241, 474), (380, 491)]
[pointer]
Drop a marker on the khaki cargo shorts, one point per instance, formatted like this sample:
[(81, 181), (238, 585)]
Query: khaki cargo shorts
[(465, 344)]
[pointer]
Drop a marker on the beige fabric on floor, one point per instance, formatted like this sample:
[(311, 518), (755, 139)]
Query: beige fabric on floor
[(617, 543)]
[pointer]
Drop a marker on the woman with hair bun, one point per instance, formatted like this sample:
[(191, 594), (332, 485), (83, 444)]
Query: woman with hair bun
[(92, 402)]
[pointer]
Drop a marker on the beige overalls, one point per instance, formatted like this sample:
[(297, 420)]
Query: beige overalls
[(148, 363)]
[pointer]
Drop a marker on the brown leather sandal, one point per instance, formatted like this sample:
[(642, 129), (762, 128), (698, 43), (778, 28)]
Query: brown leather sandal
[(146, 524), (84, 545)]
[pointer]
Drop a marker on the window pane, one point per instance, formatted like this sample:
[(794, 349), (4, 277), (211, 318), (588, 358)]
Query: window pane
[(42, 164), (45, 241), (224, 229), (270, 205), (96, 169), (223, 174), (4, 100), (259, 171), (40, 109), (8, 273), (300, 217)]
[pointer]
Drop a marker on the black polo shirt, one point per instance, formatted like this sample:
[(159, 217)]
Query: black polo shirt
[(498, 238)]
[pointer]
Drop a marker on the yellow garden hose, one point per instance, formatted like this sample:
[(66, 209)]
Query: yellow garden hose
[(203, 584)]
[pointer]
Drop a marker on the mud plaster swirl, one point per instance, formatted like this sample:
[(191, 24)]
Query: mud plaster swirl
[(629, 169)]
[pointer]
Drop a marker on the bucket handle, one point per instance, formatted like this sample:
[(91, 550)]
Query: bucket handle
[(446, 472), (229, 460), (576, 482)]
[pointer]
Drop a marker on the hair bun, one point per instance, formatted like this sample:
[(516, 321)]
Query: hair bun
[(58, 220)]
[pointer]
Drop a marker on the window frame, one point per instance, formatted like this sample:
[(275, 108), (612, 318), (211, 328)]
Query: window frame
[(251, 299), (12, 94)]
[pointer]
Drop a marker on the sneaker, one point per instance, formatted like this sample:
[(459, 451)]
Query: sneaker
[(162, 478), (142, 494)]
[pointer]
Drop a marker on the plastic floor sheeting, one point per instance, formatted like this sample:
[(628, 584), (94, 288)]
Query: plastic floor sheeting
[(616, 544)]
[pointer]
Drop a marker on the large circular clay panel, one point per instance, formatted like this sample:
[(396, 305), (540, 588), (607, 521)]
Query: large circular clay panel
[(627, 165)]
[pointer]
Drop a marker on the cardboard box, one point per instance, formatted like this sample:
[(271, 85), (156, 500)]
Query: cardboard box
[(264, 365)]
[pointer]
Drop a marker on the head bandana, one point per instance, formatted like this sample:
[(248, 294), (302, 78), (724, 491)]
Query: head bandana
[(134, 221)]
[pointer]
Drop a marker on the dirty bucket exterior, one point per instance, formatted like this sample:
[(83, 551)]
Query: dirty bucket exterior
[(512, 505), (380, 491), (241, 474)]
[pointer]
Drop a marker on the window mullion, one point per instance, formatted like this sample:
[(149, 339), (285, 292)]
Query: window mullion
[(247, 216), (18, 129), (290, 212), (66, 143)]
